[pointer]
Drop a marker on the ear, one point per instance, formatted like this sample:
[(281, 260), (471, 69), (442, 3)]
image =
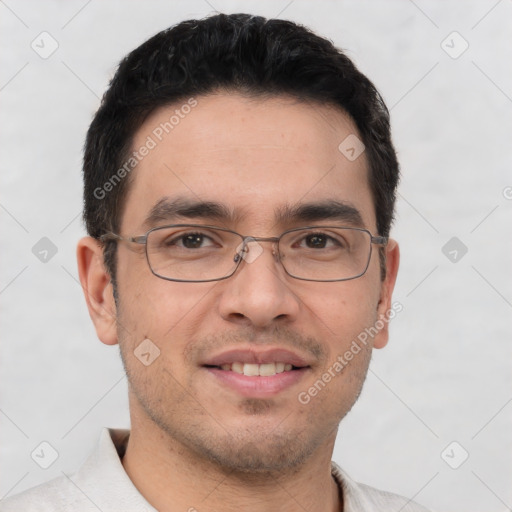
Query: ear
[(97, 288), (385, 311)]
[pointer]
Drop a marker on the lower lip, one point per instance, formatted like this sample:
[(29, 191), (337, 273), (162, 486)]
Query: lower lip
[(255, 386)]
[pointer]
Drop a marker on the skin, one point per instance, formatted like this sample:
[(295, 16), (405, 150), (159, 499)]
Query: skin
[(195, 442)]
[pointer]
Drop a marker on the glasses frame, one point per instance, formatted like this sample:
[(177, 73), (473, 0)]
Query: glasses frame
[(142, 240)]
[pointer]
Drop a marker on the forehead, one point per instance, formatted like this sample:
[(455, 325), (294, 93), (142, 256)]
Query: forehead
[(255, 156)]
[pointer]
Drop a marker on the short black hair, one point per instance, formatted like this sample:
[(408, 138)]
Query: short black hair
[(236, 52)]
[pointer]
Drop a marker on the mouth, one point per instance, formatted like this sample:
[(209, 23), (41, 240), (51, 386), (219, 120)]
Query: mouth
[(257, 374), (256, 370)]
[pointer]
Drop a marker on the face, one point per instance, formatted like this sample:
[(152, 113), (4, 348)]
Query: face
[(260, 161)]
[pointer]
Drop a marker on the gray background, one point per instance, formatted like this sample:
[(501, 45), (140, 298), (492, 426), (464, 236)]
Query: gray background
[(445, 375)]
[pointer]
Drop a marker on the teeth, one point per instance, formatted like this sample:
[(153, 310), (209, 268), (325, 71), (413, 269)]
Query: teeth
[(267, 369), (253, 369), (237, 367)]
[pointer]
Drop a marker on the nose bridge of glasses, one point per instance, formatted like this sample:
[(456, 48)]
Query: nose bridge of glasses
[(249, 249)]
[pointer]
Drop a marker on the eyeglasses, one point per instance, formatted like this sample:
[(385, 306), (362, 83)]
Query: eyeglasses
[(196, 254)]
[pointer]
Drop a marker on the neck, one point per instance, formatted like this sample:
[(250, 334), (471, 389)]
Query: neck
[(171, 478)]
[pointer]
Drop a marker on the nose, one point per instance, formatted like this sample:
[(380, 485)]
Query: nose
[(259, 293)]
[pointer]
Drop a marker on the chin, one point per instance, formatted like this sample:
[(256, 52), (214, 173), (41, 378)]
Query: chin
[(256, 446), (254, 457)]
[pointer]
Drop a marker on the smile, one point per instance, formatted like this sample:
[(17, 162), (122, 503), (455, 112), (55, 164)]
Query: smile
[(257, 372), (252, 370)]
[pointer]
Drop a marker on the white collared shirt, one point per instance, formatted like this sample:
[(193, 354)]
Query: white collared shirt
[(102, 484)]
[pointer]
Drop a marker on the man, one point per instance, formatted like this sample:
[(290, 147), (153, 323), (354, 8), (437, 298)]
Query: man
[(239, 191)]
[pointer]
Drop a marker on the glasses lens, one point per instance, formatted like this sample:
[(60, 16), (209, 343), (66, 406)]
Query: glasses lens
[(325, 253), (192, 253)]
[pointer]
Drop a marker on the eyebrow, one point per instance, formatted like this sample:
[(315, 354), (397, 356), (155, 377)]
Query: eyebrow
[(335, 210), (167, 209), (170, 210)]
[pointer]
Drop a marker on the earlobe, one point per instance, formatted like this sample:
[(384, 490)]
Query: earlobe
[(384, 307), (98, 289)]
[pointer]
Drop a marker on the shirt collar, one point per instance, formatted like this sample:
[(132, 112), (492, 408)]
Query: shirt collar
[(104, 481)]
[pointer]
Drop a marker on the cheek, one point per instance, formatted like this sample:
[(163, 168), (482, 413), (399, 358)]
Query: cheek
[(155, 323), (346, 308), (166, 312)]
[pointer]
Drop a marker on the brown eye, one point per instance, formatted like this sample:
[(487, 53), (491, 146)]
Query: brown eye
[(188, 241), (192, 241), (316, 241)]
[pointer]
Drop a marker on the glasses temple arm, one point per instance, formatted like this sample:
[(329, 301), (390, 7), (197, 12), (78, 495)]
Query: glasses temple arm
[(380, 240)]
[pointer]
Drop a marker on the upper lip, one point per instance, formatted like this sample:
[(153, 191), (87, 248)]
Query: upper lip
[(254, 356)]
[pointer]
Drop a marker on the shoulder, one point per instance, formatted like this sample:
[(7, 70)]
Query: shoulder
[(100, 484), (363, 498), (57, 495), (388, 501)]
